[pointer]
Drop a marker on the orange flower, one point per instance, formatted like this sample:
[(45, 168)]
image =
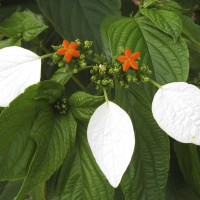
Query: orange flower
[(129, 59), (69, 50)]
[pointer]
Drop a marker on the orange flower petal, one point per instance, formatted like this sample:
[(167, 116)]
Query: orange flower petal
[(122, 59), (68, 57), (135, 55), (133, 64), (127, 52), (74, 52), (61, 51), (73, 45), (126, 66), (66, 44)]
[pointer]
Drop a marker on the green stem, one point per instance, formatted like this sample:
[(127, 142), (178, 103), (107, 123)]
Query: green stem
[(155, 83), (46, 55), (88, 67), (105, 94), (79, 83)]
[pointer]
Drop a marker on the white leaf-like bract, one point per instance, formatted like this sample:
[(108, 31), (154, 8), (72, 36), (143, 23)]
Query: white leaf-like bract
[(19, 68), (111, 138), (176, 108)]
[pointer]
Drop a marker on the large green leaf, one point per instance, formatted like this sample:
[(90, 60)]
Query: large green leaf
[(146, 175), (83, 105), (26, 26), (79, 18), (16, 121), (177, 188), (191, 30), (188, 4), (104, 33), (55, 136), (8, 190), (79, 177), (189, 164), (147, 3), (167, 21)]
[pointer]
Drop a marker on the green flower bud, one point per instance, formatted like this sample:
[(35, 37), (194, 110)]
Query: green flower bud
[(78, 41), (111, 71), (102, 69), (116, 70), (89, 52), (129, 78), (61, 63), (82, 57), (83, 64), (87, 44), (93, 78), (75, 70), (95, 67)]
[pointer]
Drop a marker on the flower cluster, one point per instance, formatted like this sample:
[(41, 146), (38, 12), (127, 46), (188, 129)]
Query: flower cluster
[(73, 55), (124, 70)]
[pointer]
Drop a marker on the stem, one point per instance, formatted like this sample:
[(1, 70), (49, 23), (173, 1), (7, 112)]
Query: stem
[(155, 83), (79, 83), (105, 94), (46, 55), (85, 68)]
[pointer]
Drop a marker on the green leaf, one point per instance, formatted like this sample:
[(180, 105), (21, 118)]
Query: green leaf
[(62, 75), (188, 4), (83, 105), (147, 3), (170, 6), (191, 30), (104, 33), (167, 21), (16, 121), (79, 19), (177, 188), (79, 177), (9, 189), (10, 42), (146, 175), (26, 26), (189, 164), (55, 136), (6, 11)]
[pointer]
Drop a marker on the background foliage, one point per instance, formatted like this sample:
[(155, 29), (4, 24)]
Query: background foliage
[(48, 154)]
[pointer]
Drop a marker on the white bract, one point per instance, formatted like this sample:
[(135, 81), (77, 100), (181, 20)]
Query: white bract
[(111, 138), (176, 108), (19, 68)]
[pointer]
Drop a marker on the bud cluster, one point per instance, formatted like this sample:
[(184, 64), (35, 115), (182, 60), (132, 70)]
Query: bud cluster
[(107, 74), (61, 106), (103, 75)]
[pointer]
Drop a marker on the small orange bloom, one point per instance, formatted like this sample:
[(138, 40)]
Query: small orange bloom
[(129, 59), (68, 50)]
